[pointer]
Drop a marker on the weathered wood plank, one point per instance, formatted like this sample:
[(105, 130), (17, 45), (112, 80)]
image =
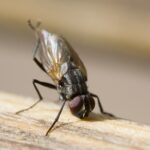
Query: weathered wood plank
[(28, 129)]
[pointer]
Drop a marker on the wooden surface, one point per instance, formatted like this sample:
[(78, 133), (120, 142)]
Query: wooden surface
[(27, 130)]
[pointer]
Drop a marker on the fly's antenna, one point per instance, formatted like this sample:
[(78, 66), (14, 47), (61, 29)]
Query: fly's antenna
[(34, 28)]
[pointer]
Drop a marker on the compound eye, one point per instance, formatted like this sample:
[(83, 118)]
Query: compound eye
[(76, 105)]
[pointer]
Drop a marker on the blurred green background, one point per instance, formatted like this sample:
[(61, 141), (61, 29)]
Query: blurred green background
[(112, 37)]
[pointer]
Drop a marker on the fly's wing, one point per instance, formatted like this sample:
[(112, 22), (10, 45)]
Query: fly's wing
[(55, 53)]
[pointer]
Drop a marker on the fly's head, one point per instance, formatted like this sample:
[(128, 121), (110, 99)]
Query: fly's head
[(82, 105)]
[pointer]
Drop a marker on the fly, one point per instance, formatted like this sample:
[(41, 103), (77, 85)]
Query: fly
[(59, 61)]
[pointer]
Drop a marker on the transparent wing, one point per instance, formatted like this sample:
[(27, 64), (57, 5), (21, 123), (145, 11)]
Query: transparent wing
[(56, 53)]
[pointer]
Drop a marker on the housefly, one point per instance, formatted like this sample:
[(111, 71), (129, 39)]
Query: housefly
[(59, 61)]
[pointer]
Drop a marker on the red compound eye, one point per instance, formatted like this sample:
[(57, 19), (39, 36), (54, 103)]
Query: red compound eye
[(76, 104)]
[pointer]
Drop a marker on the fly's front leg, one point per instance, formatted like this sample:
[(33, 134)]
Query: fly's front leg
[(100, 105), (87, 108), (56, 119), (48, 85)]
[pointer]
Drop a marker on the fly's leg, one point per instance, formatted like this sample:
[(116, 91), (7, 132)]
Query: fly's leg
[(34, 28), (36, 48), (38, 63), (100, 105), (56, 119), (87, 108), (48, 85), (45, 84)]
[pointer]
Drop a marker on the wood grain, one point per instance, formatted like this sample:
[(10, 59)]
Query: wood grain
[(27, 130)]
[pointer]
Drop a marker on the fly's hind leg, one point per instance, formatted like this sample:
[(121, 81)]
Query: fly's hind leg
[(48, 85), (100, 106)]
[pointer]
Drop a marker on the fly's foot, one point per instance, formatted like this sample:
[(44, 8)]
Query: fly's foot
[(108, 114)]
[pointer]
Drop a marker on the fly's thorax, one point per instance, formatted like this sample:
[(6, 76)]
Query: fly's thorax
[(70, 91), (72, 83)]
